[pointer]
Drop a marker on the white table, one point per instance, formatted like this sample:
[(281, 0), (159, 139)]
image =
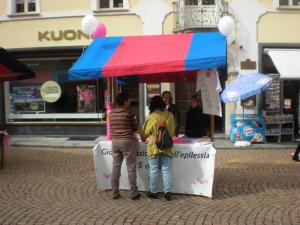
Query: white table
[(192, 168)]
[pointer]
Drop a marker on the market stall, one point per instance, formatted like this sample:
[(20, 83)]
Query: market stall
[(162, 58)]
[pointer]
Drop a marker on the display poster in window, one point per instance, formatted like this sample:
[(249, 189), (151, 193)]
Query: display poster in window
[(86, 97), (50, 91), (27, 99)]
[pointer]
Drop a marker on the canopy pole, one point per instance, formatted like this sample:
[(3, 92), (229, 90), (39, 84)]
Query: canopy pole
[(212, 127), (114, 88), (142, 104), (108, 86)]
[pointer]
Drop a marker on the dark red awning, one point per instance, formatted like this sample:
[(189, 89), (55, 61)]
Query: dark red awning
[(13, 69)]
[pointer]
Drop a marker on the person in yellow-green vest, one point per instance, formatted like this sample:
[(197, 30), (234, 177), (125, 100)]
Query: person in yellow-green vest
[(158, 116)]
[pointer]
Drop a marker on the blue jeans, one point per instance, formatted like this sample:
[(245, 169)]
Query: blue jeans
[(165, 162)]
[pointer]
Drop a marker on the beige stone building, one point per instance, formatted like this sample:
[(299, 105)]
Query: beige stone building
[(46, 35)]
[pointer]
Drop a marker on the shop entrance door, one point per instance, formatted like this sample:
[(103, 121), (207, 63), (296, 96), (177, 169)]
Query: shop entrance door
[(290, 102)]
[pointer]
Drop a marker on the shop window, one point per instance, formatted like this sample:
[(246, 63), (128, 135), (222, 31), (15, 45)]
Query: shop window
[(77, 100), (289, 3), (25, 6), (109, 4)]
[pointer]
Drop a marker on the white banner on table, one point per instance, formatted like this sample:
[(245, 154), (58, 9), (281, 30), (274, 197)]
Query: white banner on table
[(192, 168)]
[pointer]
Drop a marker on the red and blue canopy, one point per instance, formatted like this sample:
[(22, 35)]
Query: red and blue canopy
[(155, 54)]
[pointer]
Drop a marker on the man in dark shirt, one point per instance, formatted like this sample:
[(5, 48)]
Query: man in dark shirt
[(168, 99), (124, 144), (196, 125)]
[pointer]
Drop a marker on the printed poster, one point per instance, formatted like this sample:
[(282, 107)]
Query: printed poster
[(86, 98), (27, 99)]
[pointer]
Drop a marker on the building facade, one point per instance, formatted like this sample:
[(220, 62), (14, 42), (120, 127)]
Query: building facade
[(263, 27), (47, 37)]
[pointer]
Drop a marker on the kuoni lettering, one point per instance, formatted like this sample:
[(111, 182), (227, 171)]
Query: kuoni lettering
[(68, 35)]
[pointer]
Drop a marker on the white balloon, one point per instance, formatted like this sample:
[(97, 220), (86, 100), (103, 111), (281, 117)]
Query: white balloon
[(89, 24), (230, 38), (226, 25)]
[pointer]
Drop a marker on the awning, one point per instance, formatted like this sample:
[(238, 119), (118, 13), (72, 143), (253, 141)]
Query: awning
[(286, 61), (12, 69), (153, 55)]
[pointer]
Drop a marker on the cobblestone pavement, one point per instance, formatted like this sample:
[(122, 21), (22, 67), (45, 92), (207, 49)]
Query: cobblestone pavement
[(58, 186)]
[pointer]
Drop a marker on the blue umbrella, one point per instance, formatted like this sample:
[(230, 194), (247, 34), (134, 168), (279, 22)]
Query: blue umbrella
[(245, 86)]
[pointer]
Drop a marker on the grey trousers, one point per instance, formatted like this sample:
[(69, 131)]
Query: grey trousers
[(121, 149)]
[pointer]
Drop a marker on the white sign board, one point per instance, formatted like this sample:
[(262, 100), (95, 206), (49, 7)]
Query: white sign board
[(192, 168), (209, 84)]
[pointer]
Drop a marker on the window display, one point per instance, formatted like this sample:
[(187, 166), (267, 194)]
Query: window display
[(75, 100), (86, 98), (27, 99)]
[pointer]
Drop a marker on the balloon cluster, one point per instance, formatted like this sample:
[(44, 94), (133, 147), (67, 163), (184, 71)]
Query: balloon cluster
[(90, 26), (226, 27)]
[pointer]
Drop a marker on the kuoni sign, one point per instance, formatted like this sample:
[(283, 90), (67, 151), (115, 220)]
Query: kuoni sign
[(50, 91), (192, 168), (60, 35)]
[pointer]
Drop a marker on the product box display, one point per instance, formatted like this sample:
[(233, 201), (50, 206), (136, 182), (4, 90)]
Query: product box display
[(250, 127)]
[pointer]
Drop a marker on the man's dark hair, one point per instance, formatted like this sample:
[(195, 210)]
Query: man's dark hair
[(195, 97), (121, 98), (156, 102), (170, 94)]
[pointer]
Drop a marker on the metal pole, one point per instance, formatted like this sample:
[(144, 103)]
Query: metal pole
[(243, 121), (141, 104)]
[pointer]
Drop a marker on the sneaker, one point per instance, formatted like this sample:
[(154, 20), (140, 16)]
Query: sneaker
[(116, 196), (152, 195), (135, 195), (168, 196), (295, 157)]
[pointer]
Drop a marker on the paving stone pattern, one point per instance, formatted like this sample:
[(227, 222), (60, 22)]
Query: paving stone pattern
[(43, 186)]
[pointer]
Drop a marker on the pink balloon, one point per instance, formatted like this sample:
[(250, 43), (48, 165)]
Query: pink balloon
[(100, 31)]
